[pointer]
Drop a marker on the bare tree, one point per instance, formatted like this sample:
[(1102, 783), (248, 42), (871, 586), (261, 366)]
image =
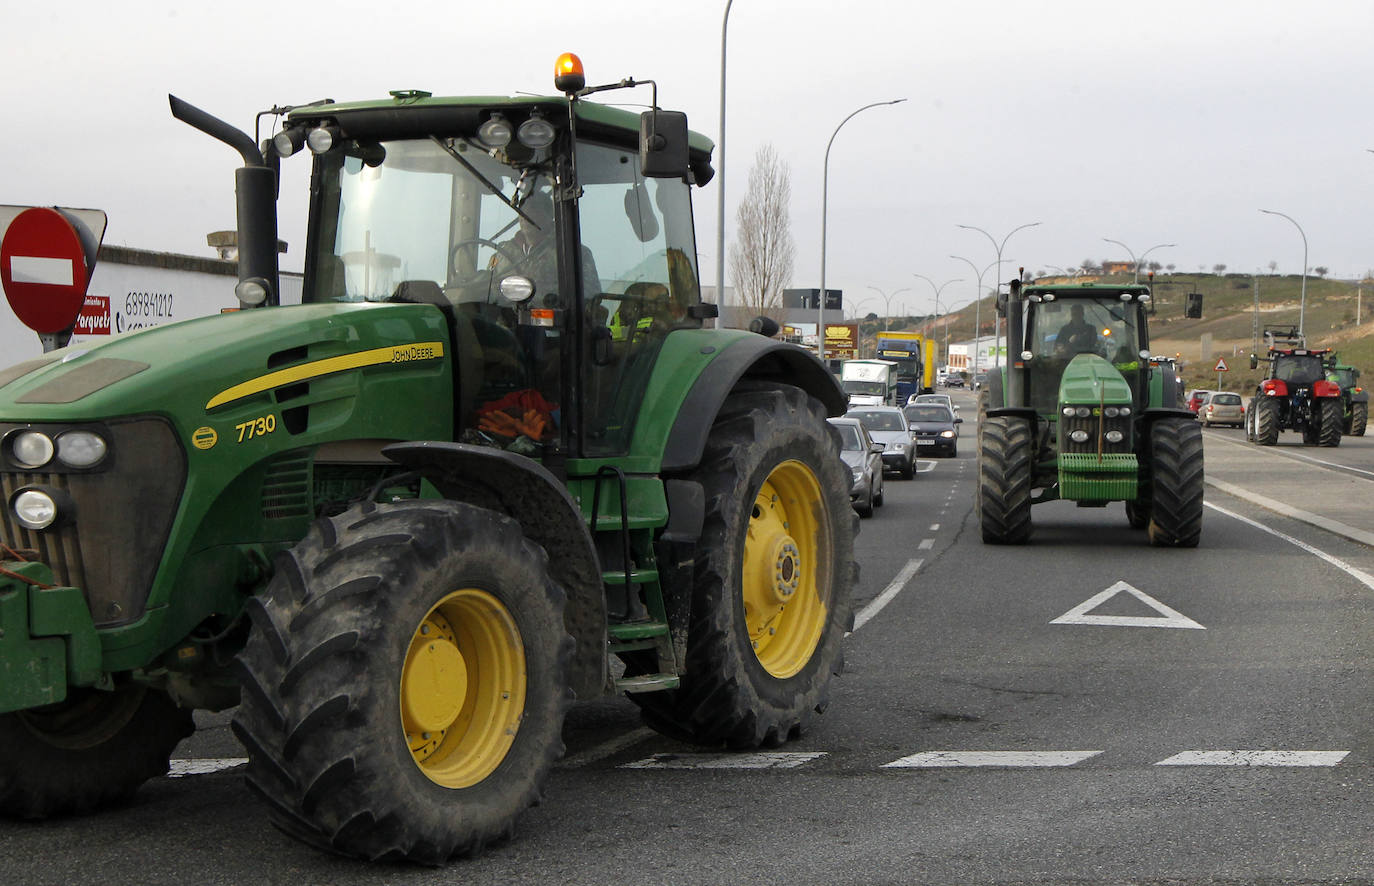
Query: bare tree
[(1218, 269), (1273, 266), (1321, 271), (762, 255)]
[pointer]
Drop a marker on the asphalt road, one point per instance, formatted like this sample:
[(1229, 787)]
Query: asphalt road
[(1083, 709)]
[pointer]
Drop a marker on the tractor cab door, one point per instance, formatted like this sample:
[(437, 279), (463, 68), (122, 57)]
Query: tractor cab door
[(638, 233)]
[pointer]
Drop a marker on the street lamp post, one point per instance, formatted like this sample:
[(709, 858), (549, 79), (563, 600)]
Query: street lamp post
[(977, 304), (825, 188), (887, 302), (939, 289), (1136, 263), (997, 334), (1302, 308), (720, 170)]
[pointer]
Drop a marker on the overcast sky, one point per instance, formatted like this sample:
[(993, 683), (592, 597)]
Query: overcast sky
[(1147, 123)]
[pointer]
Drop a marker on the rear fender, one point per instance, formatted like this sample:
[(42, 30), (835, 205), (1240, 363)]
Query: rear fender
[(524, 489)]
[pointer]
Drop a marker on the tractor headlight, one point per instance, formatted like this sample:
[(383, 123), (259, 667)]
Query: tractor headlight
[(31, 449), (1123, 411), (322, 138), (81, 449), (495, 133), (535, 132), (1113, 436), (1111, 411), (1083, 411), (1069, 412), (1079, 436), (34, 509)]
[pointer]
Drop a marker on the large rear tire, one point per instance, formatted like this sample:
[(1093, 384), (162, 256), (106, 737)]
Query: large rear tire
[(1177, 483), (1266, 414), (1359, 418), (1329, 421), (773, 575), (405, 682), (90, 751), (1005, 475)]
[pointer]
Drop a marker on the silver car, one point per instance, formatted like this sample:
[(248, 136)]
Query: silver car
[(888, 426), (864, 459), (1222, 408)]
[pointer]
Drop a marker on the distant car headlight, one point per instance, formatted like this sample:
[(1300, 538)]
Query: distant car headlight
[(1079, 436), (946, 434), (81, 449), (894, 446), (34, 509), (1113, 436), (31, 449)]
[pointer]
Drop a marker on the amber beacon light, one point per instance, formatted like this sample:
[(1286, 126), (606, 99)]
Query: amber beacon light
[(567, 74)]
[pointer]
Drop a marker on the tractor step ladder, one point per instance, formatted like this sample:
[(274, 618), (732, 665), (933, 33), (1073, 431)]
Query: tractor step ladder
[(635, 636)]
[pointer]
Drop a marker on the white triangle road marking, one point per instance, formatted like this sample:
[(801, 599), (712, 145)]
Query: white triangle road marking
[(1167, 618)]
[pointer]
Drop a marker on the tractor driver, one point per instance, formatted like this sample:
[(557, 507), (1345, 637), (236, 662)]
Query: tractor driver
[(1077, 336), (533, 251)]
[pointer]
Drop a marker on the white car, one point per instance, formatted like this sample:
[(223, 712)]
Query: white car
[(940, 399), (888, 426)]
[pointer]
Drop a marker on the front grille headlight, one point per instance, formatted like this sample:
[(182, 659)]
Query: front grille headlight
[(81, 449), (34, 509), (31, 449), (1079, 436), (1113, 436)]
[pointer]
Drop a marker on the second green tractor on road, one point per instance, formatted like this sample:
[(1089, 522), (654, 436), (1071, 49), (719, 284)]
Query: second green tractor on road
[(1081, 413)]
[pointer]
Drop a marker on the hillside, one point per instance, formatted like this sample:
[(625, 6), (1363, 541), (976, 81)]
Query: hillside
[(1229, 315)]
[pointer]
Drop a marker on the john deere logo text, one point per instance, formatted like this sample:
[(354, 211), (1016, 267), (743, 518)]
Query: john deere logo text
[(204, 438)]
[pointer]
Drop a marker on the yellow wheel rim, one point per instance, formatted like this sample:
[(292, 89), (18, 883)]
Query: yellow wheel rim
[(463, 687), (786, 565)]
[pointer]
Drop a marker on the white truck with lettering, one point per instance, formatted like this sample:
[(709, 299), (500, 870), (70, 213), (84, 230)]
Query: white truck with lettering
[(869, 382)]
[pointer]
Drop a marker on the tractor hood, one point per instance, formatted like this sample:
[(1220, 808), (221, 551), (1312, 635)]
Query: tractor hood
[(1090, 379), (230, 365)]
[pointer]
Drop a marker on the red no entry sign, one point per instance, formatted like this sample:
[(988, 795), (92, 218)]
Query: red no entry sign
[(45, 263)]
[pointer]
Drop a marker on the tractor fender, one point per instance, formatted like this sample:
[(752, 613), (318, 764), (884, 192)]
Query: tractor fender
[(526, 491), (751, 358)]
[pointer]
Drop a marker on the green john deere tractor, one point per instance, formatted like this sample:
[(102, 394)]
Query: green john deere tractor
[(1082, 413), (492, 463)]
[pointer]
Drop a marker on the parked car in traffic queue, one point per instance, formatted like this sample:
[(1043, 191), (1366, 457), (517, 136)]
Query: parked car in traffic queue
[(887, 425), (935, 428), (864, 458)]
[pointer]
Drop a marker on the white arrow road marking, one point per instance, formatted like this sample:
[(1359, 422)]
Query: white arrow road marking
[(1000, 759), (33, 269), (1255, 758), (1168, 618), (760, 760)]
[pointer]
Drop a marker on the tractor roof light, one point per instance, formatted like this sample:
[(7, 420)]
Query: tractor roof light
[(495, 132), (251, 292), (1126, 296), (536, 132), (322, 138), (288, 141), (1049, 296), (568, 76), (1143, 298)]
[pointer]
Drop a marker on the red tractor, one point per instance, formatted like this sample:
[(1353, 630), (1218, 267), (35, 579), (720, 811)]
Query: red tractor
[(1295, 394)]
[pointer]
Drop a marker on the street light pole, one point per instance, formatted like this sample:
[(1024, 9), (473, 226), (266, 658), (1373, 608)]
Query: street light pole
[(1302, 309), (1135, 263), (825, 188), (997, 335), (939, 289), (720, 171), (977, 303), (887, 302)]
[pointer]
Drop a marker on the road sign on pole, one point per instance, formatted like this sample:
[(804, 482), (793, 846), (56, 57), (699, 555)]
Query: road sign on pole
[(1221, 365), (46, 259)]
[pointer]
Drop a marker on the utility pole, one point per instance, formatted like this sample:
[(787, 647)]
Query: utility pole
[(1255, 324)]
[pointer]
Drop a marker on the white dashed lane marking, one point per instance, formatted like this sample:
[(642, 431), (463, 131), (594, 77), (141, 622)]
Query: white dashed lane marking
[(1255, 758), (761, 760), (996, 759)]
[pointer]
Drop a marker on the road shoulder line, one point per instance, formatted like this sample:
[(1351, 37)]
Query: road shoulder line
[(1334, 526)]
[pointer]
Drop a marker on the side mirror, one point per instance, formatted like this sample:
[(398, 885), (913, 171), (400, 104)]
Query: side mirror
[(958, 421), (1193, 307), (764, 326), (876, 447), (703, 311), (1254, 361), (663, 144)]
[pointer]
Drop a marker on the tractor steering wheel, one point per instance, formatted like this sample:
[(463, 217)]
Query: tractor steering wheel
[(461, 278)]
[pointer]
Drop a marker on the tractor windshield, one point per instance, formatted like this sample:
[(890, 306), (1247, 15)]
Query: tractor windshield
[(1067, 327), (1299, 369)]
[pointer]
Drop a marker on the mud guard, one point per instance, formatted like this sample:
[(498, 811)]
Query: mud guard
[(526, 490), (758, 358)]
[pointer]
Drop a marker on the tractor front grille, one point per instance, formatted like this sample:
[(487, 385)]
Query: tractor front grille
[(1096, 427)]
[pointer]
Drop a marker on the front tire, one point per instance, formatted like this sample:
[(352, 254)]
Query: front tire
[(1004, 480), (1176, 484), (88, 752), (772, 583), (1359, 417), (405, 682)]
